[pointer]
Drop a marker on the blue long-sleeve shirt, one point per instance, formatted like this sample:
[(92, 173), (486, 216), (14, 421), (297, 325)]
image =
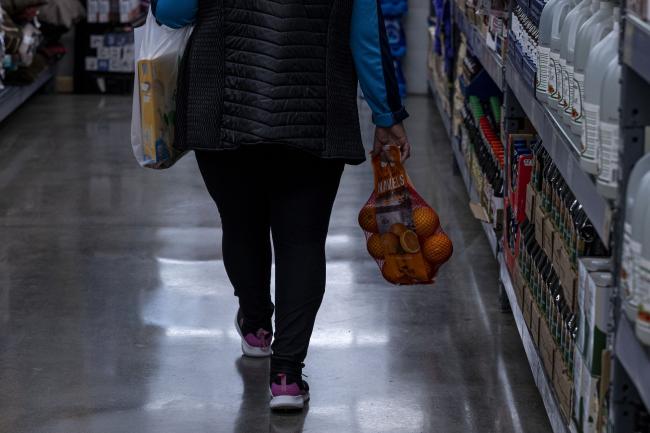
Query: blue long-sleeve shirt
[(370, 50)]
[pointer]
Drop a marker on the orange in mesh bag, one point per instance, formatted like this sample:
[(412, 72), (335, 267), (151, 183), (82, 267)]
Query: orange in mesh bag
[(403, 232)]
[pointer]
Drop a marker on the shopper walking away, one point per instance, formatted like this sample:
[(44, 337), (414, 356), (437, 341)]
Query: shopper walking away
[(267, 100)]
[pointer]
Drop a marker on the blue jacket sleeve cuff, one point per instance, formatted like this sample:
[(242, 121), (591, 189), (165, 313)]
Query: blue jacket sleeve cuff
[(386, 120)]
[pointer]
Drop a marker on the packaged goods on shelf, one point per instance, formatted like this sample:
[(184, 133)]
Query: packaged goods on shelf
[(524, 46), (574, 20), (599, 58), (551, 22), (640, 8), (595, 285), (635, 216), (608, 146), (642, 279), (111, 52), (592, 31), (119, 11)]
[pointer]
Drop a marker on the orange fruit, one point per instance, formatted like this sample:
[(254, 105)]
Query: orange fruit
[(376, 246), (368, 219), (426, 221), (398, 229), (409, 241), (391, 272), (438, 248), (391, 243)]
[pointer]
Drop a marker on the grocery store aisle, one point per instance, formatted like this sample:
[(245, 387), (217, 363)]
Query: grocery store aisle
[(116, 314)]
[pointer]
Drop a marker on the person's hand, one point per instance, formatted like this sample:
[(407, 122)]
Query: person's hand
[(393, 136)]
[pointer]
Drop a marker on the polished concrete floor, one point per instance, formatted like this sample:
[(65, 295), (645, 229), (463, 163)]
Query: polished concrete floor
[(116, 313)]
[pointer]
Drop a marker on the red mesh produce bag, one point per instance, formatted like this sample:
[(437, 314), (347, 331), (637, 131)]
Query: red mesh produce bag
[(403, 232)]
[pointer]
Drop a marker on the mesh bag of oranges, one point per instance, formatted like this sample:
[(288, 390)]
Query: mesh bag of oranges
[(403, 232)]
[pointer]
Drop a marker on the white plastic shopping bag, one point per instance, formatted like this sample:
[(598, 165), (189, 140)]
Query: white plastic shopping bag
[(159, 50)]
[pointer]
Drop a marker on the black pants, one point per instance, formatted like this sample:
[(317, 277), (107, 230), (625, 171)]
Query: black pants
[(289, 194)]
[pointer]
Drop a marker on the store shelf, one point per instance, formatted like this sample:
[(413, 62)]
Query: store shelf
[(561, 146), (634, 357), (479, 48), (541, 380), (635, 45), (12, 97)]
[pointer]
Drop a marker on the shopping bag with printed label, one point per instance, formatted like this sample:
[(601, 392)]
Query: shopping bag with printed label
[(157, 65), (403, 232)]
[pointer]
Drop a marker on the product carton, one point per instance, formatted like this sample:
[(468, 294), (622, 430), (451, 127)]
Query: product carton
[(586, 400), (530, 202), (594, 318), (540, 218), (536, 318), (547, 237), (546, 348), (563, 386)]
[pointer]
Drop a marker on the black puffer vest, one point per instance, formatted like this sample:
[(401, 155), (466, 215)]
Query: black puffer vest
[(272, 72)]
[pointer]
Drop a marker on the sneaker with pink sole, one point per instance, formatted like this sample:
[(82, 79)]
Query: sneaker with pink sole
[(254, 344), (287, 393)]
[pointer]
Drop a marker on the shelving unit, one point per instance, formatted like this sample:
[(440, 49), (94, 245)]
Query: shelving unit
[(541, 379), (561, 145), (12, 97)]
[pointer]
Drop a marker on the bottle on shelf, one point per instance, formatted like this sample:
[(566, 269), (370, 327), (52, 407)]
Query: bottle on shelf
[(590, 33), (560, 12), (573, 22), (599, 57), (608, 159), (635, 217), (642, 271), (544, 48)]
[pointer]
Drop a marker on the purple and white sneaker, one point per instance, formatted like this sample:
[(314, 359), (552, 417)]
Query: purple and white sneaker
[(287, 394), (255, 345)]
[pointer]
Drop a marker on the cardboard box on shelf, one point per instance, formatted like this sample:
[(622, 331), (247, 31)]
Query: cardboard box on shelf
[(547, 237), (563, 386), (594, 318), (586, 396), (530, 201), (540, 217), (520, 160), (536, 318), (546, 348), (569, 281)]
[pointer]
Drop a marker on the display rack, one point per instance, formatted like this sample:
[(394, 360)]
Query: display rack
[(630, 373), (541, 379), (488, 58), (12, 97), (560, 145), (636, 44)]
